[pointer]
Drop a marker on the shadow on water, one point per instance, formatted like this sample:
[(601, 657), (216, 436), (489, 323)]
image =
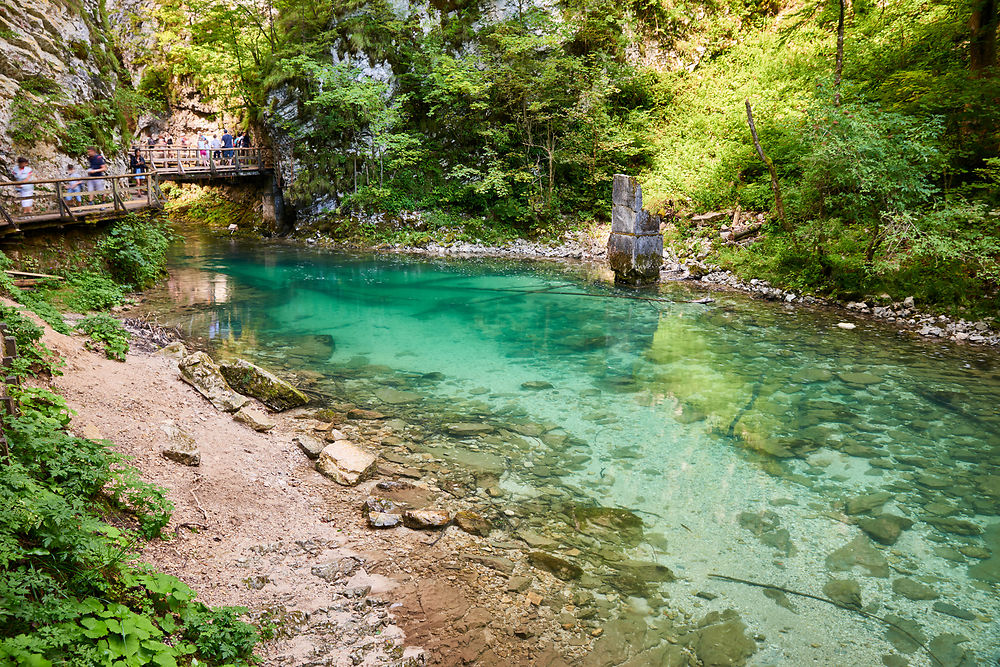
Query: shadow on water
[(648, 444)]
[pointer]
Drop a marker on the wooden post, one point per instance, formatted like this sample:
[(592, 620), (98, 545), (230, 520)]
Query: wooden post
[(114, 192), (211, 161)]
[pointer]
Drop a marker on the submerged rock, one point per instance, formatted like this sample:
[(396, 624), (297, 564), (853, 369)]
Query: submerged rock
[(989, 570), (721, 640), (536, 385), (866, 503), (904, 634), (562, 569), (396, 396), (466, 429), (845, 592), (885, 528), (269, 389), (255, 419), (610, 524), (952, 610), (913, 590), (472, 523), (199, 371), (858, 552), (955, 526), (948, 650), (346, 463), (179, 446)]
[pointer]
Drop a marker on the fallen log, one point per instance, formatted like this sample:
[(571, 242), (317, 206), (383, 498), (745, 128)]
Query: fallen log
[(36, 276)]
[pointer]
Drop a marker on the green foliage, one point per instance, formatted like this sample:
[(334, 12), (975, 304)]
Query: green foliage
[(133, 250), (70, 593), (31, 120), (106, 335), (92, 291), (33, 356)]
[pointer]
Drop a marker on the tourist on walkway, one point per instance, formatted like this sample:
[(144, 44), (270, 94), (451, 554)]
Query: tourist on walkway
[(246, 140), (97, 167), (74, 185), (203, 150), (227, 142), (25, 193), (137, 165), (216, 145)]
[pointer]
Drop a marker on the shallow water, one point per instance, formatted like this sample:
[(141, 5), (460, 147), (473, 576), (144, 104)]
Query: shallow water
[(734, 431)]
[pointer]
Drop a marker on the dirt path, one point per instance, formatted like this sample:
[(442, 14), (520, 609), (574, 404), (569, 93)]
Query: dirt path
[(288, 543)]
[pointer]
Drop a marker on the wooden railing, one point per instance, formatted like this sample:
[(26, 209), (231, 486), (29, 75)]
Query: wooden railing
[(171, 161), (53, 199)]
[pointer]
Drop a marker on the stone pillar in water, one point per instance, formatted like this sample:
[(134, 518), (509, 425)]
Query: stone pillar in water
[(635, 247)]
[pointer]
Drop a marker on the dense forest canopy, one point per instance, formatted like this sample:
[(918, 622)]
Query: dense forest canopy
[(513, 117)]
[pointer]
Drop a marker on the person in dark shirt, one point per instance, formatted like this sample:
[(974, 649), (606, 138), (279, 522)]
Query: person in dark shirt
[(227, 143), (137, 165), (97, 167)]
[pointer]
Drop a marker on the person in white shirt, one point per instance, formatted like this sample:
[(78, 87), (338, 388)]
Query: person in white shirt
[(26, 193), (75, 185)]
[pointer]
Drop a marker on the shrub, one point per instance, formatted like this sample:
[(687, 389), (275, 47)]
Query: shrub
[(93, 291), (134, 250), (106, 335)]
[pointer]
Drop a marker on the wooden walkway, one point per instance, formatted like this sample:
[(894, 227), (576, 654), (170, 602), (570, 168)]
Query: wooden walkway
[(192, 164), (53, 205)]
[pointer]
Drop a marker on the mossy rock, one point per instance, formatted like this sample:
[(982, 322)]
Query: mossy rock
[(251, 380)]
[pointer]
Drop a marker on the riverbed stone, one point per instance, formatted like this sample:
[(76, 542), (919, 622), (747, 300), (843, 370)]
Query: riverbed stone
[(536, 385), (309, 445), (562, 569), (858, 552), (472, 523), (954, 526), (951, 610), (396, 396), (913, 590), (346, 463), (885, 528), (252, 380), (254, 418), (426, 519), (534, 540), (721, 640), (519, 584), (199, 371), (904, 634), (949, 652), (845, 592), (178, 446), (468, 429), (858, 379), (866, 503), (989, 570)]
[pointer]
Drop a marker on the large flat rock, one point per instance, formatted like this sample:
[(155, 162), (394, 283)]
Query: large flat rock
[(346, 463)]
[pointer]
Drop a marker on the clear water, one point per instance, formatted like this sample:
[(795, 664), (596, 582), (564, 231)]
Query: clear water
[(734, 430)]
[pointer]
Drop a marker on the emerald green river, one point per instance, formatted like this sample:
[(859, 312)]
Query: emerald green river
[(745, 438)]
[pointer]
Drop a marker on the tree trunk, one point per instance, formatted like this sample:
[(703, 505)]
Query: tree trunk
[(775, 187), (983, 38), (839, 68)]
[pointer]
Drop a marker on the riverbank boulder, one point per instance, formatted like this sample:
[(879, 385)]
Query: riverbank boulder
[(178, 446), (346, 463), (255, 419), (267, 388), (199, 371)]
